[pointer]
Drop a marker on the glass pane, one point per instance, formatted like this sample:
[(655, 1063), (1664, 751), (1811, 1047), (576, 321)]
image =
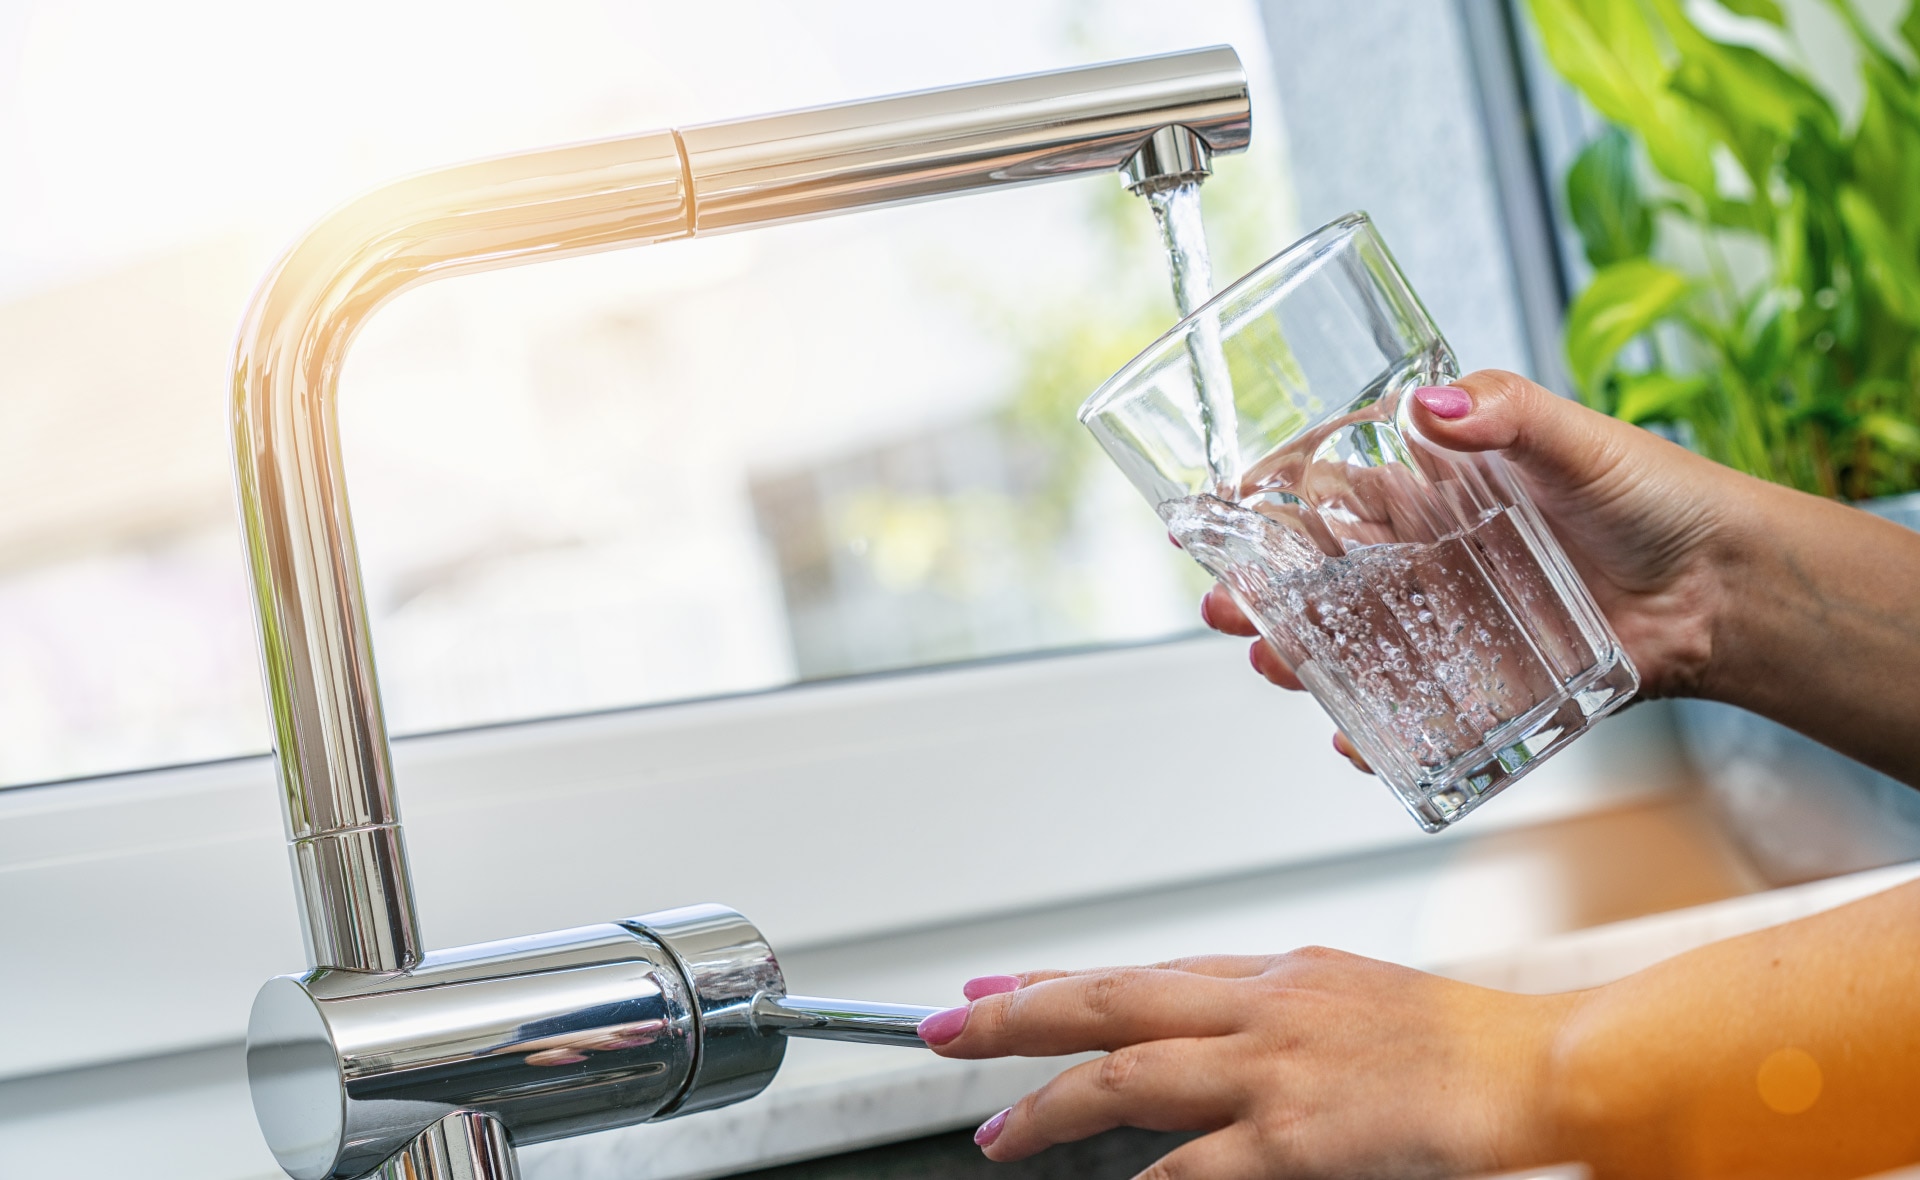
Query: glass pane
[(699, 468)]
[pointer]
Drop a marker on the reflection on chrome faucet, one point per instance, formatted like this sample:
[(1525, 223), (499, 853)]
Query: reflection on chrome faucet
[(432, 1065), (572, 1048)]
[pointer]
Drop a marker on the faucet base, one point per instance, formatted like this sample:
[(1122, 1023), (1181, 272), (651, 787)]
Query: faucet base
[(434, 1073)]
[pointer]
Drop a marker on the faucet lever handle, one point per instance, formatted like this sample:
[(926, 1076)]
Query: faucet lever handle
[(840, 1020)]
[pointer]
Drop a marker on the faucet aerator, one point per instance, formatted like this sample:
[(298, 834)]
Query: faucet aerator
[(1171, 157)]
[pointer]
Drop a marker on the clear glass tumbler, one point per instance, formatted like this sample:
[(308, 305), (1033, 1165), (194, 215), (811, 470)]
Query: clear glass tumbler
[(1416, 591)]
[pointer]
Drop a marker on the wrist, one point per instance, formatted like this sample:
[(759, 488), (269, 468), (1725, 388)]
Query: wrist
[(1756, 575), (1603, 1094), (1733, 554), (1721, 551), (1527, 1109)]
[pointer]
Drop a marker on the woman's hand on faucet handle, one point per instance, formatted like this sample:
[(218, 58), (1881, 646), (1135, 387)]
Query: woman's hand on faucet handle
[(1732, 1059), (1313, 1063), (1644, 521)]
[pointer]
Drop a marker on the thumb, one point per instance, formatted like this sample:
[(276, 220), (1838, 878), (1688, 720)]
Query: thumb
[(1551, 438)]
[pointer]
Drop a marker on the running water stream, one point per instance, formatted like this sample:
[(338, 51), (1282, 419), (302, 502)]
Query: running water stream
[(1184, 235)]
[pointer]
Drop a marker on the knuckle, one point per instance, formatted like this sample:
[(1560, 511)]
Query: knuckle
[(1106, 993), (1280, 1133), (1030, 1120), (992, 1017), (1300, 973), (1117, 1070), (1028, 1109)]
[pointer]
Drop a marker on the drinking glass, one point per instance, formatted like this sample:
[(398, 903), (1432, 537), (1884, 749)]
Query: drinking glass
[(1415, 591)]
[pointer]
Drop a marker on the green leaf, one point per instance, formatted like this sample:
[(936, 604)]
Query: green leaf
[(1621, 302), (1606, 49), (1755, 102), (1765, 10), (1633, 39), (1752, 100), (1817, 164), (1885, 153), (1656, 397), (1896, 434), (1790, 262), (1891, 272), (1604, 197), (1910, 28), (1765, 343), (1753, 216)]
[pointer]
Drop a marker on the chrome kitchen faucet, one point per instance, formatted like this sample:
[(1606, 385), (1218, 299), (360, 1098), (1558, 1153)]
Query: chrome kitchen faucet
[(432, 1065)]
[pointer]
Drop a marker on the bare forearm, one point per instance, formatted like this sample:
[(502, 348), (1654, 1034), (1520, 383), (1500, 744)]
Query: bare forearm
[(1791, 1052), (1822, 628)]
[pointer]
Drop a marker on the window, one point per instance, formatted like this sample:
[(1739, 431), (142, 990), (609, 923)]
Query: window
[(696, 469)]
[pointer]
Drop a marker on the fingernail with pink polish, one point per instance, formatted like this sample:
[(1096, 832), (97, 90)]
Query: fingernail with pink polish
[(990, 985), (1444, 401), (1206, 609), (942, 1027), (990, 1130)]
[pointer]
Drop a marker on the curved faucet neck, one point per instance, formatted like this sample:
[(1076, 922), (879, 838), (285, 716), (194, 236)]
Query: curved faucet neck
[(330, 739)]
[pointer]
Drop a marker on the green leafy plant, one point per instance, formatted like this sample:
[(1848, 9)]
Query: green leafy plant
[(1757, 256)]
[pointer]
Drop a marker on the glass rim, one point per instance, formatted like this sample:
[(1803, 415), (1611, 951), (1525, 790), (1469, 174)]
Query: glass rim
[(1098, 401)]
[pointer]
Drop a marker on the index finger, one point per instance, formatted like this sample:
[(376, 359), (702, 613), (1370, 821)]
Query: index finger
[(1095, 1010)]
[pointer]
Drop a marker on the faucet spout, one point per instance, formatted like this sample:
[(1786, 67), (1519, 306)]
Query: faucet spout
[(937, 143)]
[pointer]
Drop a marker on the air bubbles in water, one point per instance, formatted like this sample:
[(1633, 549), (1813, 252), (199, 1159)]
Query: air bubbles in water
[(1415, 637)]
